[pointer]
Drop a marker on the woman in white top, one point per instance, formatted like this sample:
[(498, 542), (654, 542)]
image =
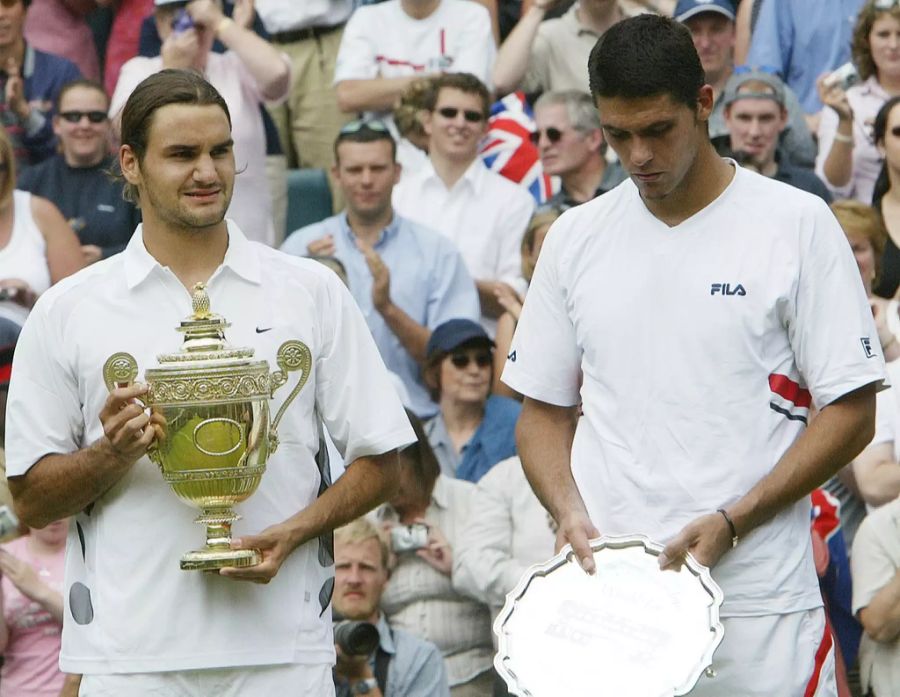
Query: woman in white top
[(849, 160), (37, 246)]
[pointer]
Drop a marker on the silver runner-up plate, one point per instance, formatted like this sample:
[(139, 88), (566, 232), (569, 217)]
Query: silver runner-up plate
[(630, 630)]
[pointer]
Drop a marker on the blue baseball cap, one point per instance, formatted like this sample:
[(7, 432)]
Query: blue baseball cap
[(454, 333), (685, 9)]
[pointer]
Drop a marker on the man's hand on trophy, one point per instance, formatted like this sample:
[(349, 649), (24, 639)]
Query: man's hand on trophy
[(576, 529), (275, 543), (707, 538), (127, 427)]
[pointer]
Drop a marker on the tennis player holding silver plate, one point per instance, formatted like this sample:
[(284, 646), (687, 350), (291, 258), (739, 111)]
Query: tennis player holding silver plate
[(677, 332)]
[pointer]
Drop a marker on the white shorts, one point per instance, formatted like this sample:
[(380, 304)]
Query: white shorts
[(773, 656), (291, 679)]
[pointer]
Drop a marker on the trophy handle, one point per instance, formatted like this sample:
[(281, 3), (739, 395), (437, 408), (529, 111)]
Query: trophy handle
[(120, 370), (292, 355)]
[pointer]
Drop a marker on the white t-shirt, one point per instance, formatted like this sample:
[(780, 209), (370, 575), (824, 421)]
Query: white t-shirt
[(383, 41), (24, 256), (484, 214), (701, 346), (129, 608)]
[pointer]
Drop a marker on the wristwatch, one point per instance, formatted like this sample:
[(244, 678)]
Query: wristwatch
[(364, 687)]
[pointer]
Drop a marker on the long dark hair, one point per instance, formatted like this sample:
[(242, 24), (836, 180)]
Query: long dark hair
[(879, 132)]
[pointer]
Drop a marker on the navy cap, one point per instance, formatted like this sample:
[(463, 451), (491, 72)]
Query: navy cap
[(454, 333), (685, 9)]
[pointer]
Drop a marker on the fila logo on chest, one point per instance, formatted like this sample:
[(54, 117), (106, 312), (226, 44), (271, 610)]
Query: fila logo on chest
[(727, 289)]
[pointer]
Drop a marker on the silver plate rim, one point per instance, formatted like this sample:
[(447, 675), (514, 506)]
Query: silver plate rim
[(566, 556)]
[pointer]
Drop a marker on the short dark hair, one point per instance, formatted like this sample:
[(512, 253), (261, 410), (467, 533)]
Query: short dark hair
[(364, 133), (646, 56), (75, 84), (162, 89), (464, 82)]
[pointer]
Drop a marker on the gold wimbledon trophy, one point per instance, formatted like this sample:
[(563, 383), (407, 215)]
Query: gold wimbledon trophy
[(214, 400)]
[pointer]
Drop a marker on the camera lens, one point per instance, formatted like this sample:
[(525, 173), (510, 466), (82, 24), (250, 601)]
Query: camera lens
[(356, 638)]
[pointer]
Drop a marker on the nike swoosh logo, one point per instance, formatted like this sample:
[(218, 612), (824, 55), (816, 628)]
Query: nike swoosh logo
[(260, 331)]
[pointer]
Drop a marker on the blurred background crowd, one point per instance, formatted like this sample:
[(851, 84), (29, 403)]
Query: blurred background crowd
[(422, 149)]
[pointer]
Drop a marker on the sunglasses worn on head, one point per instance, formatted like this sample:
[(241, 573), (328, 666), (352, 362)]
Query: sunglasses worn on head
[(76, 116), (885, 4), (461, 360), (359, 124), (553, 135), (470, 115)]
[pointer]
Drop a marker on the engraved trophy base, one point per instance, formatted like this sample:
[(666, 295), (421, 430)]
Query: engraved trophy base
[(211, 559), (217, 554)]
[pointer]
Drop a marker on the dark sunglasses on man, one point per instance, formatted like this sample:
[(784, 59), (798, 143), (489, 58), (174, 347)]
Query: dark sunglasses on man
[(553, 135), (470, 115), (76, 116)]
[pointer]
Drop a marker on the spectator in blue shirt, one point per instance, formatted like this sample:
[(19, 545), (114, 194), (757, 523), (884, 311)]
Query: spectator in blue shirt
[(803, 39), (474, 430), (30, 81), (406, 278), (402, 665)]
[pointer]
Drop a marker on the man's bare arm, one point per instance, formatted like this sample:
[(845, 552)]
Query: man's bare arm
[(881, 617), (877, 474), (61, 485), (837, 435), (367, 482), (544, 437), (377, 94)]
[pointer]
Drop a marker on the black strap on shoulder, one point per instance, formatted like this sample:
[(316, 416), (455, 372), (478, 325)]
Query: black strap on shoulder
[(382, 664)]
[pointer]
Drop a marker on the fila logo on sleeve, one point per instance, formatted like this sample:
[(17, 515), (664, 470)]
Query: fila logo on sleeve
[(724, 289), (867, 346)]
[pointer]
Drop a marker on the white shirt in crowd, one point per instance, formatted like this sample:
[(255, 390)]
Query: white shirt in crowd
[(701, 348), (24, 256), (484, 214), (291, 15), (383, 41), (129, 608)]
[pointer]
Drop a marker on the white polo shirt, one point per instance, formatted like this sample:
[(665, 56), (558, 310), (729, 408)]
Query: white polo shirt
[(484, 214), (701, 347), (129, 608)]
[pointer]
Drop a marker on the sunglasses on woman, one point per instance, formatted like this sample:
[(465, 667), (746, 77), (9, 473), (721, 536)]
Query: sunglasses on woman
[(76, 116), (461, 360)]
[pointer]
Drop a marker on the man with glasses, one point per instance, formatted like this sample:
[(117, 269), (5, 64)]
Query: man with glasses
[(712, 27), (77, 178), (406, 277), (30, 81), (454, 193), (571, 145)]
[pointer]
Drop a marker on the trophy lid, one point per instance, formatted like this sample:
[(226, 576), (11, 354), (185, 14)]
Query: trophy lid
[(204, 338)]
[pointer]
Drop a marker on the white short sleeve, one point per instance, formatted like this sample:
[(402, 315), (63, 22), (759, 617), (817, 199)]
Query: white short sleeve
[(356, 55), (354, 393), (544, 362), (832, 332), (871, 564), (43, 413), (885, 418)]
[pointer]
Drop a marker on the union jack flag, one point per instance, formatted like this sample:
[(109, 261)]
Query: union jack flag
[(508, 150)]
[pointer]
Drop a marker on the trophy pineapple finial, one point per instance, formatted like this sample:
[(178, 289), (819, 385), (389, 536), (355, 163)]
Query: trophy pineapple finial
[(200, 302)]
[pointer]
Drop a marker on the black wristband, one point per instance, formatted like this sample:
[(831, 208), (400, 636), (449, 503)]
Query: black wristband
[(734, 535)]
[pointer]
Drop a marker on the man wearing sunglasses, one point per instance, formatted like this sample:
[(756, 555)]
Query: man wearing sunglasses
[(571, 146), (484, 213), (406, 277), (77, 178), (675, 336), (30, 81)]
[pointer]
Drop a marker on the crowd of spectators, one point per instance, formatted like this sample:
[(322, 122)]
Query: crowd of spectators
[(453, 134)]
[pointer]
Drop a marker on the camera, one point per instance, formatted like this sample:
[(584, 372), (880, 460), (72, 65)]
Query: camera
[(409, 538), (845, 77), (182, 22), (9, 524), (8, 293), (356, 638)]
